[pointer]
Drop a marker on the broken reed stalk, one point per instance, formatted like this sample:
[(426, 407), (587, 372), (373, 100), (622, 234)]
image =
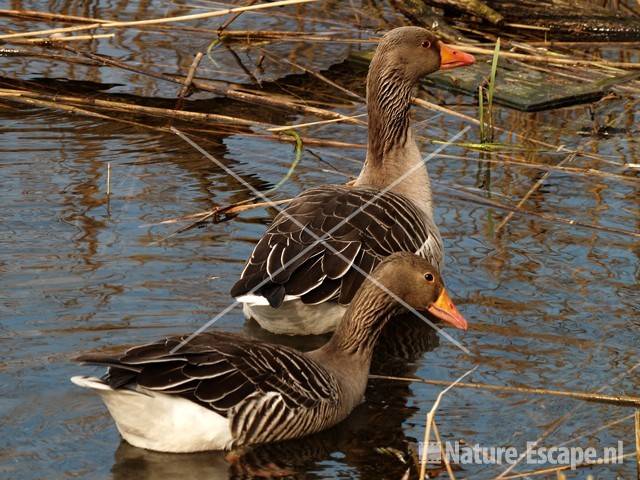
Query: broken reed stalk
[(217, 214), (32, 14), (548, 58), (618, 400), (226, 213), (186, 85), (277, 101), (533, 189), (134, 108), (587, 172), (275, 35), (313, 124), (429, 420), (468, 196), (156, 21), (48, 16), (438, 108), (51, 56), (445, 458), (185, 90), (230, 20), (76, 38), (75, 110)]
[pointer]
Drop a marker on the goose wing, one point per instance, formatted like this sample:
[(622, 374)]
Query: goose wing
[(319, 246), (223, 372)]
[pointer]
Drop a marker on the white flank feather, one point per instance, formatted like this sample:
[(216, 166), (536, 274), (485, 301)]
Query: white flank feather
[(295, 318), (161, 422)]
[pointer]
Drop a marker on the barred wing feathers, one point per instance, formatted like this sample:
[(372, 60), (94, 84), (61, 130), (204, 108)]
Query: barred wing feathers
[(263, 389), (289, 260)]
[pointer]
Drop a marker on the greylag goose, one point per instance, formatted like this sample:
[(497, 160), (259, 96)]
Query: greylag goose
[(309, 264), (221, 390)]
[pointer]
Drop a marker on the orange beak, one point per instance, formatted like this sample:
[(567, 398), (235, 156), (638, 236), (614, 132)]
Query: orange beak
[(445, 310), (452, 58)]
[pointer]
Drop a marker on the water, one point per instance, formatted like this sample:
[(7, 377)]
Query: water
[(550, 305)]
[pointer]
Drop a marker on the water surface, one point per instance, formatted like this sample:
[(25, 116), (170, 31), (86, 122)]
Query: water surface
[(550, 304)]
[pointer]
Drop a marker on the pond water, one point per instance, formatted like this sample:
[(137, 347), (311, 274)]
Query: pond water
[(549, 304)]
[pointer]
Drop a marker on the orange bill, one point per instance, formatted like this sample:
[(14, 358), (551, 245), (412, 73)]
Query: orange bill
[(452, 58), (444, 309)]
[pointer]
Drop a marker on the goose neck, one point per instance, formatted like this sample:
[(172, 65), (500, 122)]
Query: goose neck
[(388, 104), (393, 159), (358, 332)]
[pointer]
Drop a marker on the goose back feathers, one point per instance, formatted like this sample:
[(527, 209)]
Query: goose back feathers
[(389, 209), (260, 391), (221, 390), (319, 246)]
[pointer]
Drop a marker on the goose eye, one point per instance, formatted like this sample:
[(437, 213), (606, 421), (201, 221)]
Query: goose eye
[(428, 277), (426, 44)]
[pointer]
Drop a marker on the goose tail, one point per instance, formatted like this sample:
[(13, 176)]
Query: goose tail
[(161, 422), (93, 383)]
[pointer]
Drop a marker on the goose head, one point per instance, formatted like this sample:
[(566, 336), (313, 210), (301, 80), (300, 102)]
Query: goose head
[(401, 282), (404, 55), (413, 52), (411, 281)]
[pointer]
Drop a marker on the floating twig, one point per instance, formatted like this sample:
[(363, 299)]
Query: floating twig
[(313, 124), (438, 108), (156, 21), (587, 172), (232, 19), (220, 214), (619, 400), (228, 211), (73, 110), (186, 85), (74, 38), (135, 108), (548, 58)]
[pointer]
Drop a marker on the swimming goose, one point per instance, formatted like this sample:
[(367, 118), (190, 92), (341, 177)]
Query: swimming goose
[(221, 390), (295, 284)]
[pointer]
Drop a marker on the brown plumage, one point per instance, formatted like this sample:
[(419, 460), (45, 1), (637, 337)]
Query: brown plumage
[(318, 249), (256, 391)]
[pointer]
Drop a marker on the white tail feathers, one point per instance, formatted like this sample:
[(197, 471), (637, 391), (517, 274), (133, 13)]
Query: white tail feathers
[(90, 382)]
